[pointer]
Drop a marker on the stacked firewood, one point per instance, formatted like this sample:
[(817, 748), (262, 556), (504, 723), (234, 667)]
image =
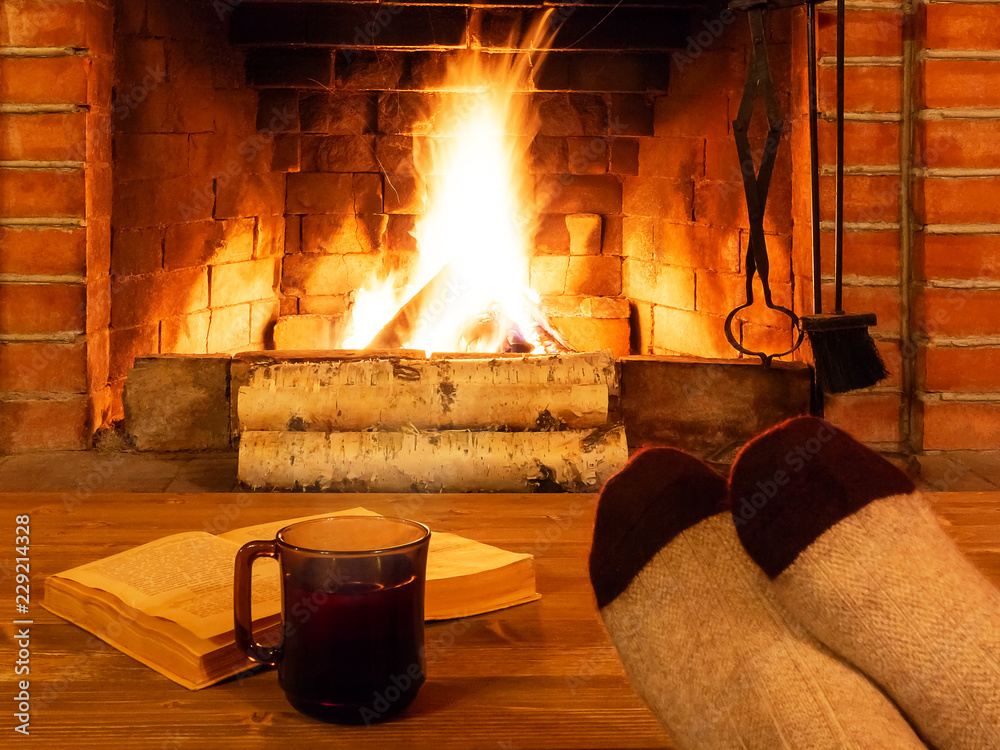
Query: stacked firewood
[(457, 423)]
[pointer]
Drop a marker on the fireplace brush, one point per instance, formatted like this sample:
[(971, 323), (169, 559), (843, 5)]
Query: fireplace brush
[(844, 354)]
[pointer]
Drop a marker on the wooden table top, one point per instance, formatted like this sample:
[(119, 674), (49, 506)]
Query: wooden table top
[(541, 675)]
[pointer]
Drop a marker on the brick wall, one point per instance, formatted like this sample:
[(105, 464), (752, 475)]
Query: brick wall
[(55, 63), (921, 241), (198, 230)]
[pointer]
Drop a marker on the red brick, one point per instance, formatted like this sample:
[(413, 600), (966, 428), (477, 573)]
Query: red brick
[(263, 315), (865, 253), (959, 312), (711, 71), (706, 113), (28, 23), (881, 300), (313, 192), (660, 284), (699, 246), (869, 143), (624, 156), (185, 334), (674, 158), (964, 369), (137, 251), (867, 198), (352, 114), (548, 274), (867, 32), (229, 328), (962, 26), (961, 83), (43, 425), (599, 194), (42, 251), (44, 80), (316, 274), (42, 366), (572, 114), (869, 417), (957, 425), (630, 114), (960, 256), (235, 283), (42, 308), (596, 275), (270, 237), (156, 107), (98, 303), (958, 143), (42, 137), (42, 192), (150, 155), (343, 233), (148, 203), (870, 88), (338, 153), (203, 242), (587, 155), (142, 300), (404, 194), (659, 197), (683, 332), (718, 293), (589, 334), (959, 200), (250, 195), (125, 345)]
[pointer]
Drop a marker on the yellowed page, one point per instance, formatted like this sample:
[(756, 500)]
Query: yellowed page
[(451, 556), (186, 578)]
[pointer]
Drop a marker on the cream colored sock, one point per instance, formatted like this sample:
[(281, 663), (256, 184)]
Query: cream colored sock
[(858, 557), (700, 635)]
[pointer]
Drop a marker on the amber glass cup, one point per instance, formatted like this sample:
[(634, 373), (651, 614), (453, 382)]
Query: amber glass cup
[(352, 588)]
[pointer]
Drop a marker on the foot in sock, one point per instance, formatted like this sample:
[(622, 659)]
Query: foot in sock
[(858, 557), (699, 633)]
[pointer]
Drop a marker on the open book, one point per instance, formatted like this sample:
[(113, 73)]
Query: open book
[(169, 603)]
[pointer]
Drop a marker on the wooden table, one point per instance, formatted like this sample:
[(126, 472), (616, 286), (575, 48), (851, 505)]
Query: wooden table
[(542, 675)]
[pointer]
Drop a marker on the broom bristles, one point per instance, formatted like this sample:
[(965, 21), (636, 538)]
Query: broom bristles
[(844, 353)]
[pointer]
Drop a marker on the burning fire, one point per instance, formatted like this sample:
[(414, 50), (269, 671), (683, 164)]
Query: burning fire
[(470, 290)]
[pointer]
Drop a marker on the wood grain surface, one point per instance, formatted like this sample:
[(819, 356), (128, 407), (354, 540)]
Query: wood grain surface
[(541, 675)]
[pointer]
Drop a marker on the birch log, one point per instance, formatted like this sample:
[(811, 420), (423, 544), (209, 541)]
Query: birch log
[(425, 406), (447, 461), (588, 368)]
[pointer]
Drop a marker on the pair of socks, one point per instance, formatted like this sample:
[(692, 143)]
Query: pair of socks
[(812, 601)]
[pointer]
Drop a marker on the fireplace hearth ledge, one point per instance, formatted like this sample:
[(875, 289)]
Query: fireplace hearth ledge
[(709, 407)]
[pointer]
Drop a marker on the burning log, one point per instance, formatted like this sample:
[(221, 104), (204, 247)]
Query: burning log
[(442, 405), (400, 328), (447, 461)]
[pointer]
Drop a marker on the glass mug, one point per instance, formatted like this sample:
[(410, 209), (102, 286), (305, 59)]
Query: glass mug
[(352, 603)]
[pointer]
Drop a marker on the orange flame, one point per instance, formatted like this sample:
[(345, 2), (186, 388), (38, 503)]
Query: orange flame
[(474, 238)]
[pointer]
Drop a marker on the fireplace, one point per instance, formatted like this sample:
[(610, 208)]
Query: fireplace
[(200, 178)]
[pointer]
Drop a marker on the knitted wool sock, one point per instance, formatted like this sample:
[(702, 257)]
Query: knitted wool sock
[(700, 635), (857, 556)]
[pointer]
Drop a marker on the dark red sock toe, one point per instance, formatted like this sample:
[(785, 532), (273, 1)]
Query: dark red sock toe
[(795, 481), (658, 494)]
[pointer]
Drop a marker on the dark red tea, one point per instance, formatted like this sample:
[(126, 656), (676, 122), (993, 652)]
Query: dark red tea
[(355, 656)]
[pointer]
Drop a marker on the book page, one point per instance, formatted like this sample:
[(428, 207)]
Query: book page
[(270, 529), (186, 578), (451, 555)]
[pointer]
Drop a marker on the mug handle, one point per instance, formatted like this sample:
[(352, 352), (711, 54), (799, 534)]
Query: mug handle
[(242, 619)]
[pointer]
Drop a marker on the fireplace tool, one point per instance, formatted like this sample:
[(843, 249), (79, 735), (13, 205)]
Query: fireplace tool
[(844, 354), (756, 184)]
